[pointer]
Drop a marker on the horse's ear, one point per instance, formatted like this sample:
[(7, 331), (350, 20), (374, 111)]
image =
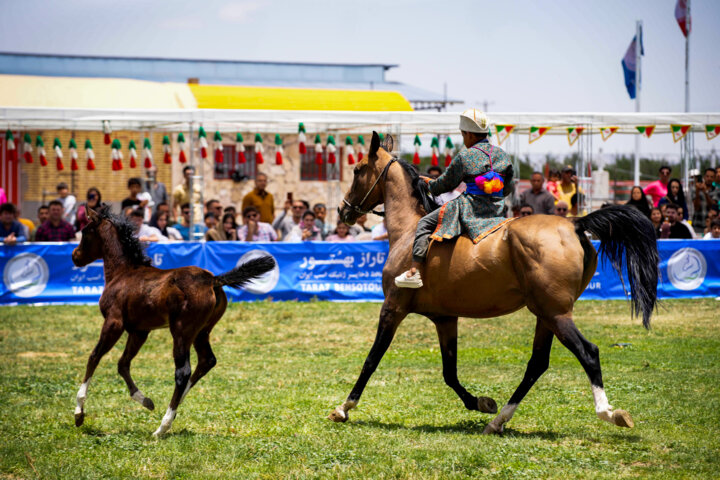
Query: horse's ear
[(389, 143), (374, 145), (92, 215)]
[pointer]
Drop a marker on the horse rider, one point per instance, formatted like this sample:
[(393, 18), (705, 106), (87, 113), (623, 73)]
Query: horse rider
[(487, 171)]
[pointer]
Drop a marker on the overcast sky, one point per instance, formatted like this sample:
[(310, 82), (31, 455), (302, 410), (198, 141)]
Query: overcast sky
[(518, 55)]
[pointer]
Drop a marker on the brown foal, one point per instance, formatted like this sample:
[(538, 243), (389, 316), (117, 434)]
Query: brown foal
[(139, 298), (543, 262)]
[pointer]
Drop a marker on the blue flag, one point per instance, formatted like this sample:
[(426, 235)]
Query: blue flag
[(629, 67)]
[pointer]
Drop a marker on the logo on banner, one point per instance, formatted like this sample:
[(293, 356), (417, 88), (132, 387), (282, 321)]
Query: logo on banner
[(687, 269), (26, 275), (265, 283)]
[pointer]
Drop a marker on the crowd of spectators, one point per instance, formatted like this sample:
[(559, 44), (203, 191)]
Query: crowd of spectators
[(662, 201), (147, 206)]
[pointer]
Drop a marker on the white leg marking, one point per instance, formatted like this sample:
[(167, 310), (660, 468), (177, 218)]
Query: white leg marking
[(81, 396), (138, 397), (166, 422), (342, 410), (503, 417), (602, 408)]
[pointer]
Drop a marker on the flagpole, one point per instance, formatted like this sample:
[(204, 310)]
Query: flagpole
[(688, 148), (638, 33)]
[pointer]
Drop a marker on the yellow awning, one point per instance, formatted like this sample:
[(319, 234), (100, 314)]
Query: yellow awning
[(71, 92), (271, 98)]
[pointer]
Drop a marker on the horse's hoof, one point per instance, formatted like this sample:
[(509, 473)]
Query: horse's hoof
[(487, 405), (338, 415), (491, 429), (621, 418), (147, 403), (79, 418)]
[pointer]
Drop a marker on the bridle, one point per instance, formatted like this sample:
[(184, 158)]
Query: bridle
[(360, 211)]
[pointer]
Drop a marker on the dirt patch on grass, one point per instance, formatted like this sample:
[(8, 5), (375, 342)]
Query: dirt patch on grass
[(41, 354)]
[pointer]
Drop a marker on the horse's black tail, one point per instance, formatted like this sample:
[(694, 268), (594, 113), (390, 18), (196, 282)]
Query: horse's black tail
[(625, 232), (242, 274)]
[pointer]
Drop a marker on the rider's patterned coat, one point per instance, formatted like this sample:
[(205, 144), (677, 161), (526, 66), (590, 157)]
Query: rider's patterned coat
[(473, 215)]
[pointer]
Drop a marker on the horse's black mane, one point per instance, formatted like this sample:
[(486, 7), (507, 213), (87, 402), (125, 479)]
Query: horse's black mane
[(420, 188), (131, 246)]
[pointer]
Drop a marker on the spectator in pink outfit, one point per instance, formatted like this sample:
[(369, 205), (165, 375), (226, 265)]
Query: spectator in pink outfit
[(3, 197), (658, 188), (342, 233)]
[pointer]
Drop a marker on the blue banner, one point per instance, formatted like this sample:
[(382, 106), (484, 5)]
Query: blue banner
[(44, 273)]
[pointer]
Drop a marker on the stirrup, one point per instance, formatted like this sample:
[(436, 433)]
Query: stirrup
[(414, 281)]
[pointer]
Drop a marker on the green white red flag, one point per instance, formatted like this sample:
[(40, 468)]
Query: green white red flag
[(73, 155), (646, 130), (536, 133), (132, 148), (679, 131), (259, 160), (503, 132), (573, 134), (89, 155), (240, 148), (27, 148), (712, 131), (417, 143), (350, 150), (606, 132)]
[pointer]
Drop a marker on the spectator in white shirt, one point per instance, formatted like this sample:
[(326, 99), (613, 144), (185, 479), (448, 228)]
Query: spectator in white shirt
[(69, 202), (145, 233)]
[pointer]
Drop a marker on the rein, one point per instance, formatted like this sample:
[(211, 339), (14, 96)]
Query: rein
[(360, 211)]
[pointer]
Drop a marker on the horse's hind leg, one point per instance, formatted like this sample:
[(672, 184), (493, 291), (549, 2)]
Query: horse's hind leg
[(538, 364), (135, 341), (206, 359), (447, 334), (589, 356), (181, 355), (390, 318), (109, 335)]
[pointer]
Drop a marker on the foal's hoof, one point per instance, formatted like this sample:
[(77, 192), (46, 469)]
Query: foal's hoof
[(491, 429), (621, 418), (338, 415), (487, 405), (79, 418), (147, 403)]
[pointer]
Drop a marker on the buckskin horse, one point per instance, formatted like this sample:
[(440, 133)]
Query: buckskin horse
[(543, 262), (139, 298)]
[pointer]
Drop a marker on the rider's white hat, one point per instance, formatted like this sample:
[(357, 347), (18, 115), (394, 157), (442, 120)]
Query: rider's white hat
[(473, 120)]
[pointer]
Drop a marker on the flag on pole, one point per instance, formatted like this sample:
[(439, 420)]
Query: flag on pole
[(712, 131), (684, 23), (573, 134), (417, 144), (503, 132), (606, 132), (536, 133), (679, 131), (629, 67), (647, 130)]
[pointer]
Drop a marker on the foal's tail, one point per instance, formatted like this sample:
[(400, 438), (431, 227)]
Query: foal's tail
[(242, 274), (625, 232)]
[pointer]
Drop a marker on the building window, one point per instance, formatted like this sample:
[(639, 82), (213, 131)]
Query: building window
[(309, 170), (230, 165)]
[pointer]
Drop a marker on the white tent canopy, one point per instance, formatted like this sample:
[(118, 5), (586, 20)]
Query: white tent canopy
[(286, 121)]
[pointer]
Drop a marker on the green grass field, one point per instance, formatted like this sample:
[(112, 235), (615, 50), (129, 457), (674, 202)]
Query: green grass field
[(282, 367)]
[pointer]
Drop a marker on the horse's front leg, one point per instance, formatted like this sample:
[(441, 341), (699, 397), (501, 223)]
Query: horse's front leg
[(109, 335), (447, 334), (390, 318)]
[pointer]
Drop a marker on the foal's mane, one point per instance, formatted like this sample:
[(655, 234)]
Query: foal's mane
[(420, 189), (131, 247)]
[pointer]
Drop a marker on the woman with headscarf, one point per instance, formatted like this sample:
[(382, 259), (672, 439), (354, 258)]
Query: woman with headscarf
[(224, 231), (675, 195), (639, 201), (94, 199)]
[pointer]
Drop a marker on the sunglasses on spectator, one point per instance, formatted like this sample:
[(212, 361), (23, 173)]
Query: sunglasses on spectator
[(251, 215), (297, 208), (186, 212), (561, 209)]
